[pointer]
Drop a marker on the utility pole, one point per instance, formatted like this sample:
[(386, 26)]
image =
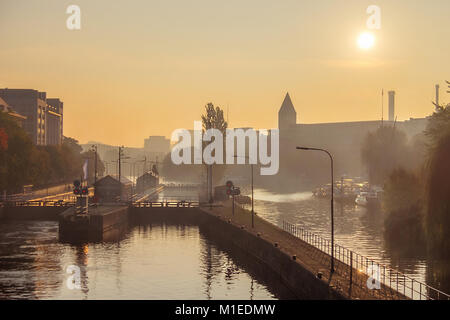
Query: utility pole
[(145, 164), (120, 171), (332, 201), (94, 148), (253, 198), (210, 184)]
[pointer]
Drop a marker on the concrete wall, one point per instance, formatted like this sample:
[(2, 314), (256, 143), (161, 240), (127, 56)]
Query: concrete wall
[(279, 266), (32, 213), (166, 215), (106, 222), (291, 272)]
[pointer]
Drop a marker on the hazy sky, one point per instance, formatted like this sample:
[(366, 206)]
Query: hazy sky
[(140, 68)]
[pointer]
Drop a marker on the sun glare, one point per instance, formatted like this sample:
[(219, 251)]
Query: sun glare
[(366, 40)]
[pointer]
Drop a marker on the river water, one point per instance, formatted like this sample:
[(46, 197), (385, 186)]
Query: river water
[(356, 228), (148, 262), (180, 262)]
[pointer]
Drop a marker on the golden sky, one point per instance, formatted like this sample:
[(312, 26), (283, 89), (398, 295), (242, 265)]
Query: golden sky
[(140, 68)]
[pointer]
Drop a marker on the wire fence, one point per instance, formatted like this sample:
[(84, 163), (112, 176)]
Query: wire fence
[(363, 271)]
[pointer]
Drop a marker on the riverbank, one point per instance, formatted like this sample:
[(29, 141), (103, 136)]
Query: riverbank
[(307, 257)]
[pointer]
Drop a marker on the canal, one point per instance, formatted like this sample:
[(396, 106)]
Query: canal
[(356, 228), (149, 261)]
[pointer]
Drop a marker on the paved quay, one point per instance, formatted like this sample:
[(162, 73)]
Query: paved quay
[(306, 255)]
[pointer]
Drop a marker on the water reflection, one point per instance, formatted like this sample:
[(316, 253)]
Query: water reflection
[(29, 259), (356, 228), (229, 267), (151, 261), (438, 274)]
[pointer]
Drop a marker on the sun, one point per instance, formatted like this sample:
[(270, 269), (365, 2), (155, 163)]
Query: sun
[(366, 40)]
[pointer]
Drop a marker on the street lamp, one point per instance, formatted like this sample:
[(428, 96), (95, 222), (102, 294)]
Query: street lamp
[(253, 211), (94, 149), (332, 201)]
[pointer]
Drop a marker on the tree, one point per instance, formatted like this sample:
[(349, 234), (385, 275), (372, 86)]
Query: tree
[(72, 144), (438, 125), (213, 119), (15, 162), (90, 156), (403, 204), (70, 155), (23, 163), (438, 183), (182, 172), (383, 151), (3, 140), (40, 168)]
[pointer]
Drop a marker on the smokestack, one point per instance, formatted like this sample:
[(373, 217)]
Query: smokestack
[(437, 95), (391, 105)]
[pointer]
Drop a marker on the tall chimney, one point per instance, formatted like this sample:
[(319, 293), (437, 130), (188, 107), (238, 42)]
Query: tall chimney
[(391, 105)]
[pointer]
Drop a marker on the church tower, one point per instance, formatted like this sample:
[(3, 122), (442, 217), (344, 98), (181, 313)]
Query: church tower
[(287, 117)]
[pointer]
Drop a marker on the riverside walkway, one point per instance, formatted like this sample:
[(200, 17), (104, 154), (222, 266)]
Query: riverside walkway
[(350, 278)]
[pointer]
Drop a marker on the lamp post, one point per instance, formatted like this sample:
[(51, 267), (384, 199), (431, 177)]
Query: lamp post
[(94, 148), (120, 161), (253, 211), (332, 201), (121, 157)]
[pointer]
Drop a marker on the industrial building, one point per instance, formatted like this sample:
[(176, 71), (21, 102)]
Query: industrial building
[(110, 189)]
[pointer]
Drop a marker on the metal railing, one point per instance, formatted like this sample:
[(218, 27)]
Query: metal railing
[(52, 203), (384, 280), (162, 204)]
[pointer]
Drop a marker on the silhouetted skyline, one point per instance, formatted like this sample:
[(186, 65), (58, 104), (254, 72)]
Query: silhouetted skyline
[(149, 67)]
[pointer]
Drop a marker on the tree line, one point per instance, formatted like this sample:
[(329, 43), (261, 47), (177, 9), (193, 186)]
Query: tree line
[(416, 179), (23, 163)]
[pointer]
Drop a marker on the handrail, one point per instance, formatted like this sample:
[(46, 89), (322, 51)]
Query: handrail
[(52, 203), (166, 204), (397, 282)]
